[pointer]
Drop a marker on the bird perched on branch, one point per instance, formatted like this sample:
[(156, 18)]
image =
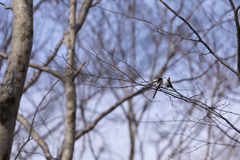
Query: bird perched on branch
[(157, 83), (167, 82)]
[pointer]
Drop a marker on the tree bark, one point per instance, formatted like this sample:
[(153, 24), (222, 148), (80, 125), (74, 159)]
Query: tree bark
[(69, 86), (15, 73)]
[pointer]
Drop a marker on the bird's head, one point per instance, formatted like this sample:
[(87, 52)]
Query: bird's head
[(168, 78)]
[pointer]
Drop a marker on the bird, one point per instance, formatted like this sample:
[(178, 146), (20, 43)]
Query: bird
[(167, 82), (157, 83)]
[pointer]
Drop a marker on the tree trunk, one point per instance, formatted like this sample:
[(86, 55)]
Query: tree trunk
[(15, 73), (69, 86)]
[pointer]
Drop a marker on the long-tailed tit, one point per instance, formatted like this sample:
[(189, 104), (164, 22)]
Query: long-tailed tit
[(167, 82), (157, 83)]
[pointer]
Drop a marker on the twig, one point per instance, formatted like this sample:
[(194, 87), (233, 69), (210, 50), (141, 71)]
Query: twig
[(201, 40), (6, 6)]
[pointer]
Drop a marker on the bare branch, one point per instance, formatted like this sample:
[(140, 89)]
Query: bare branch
[(196, 77), (6, 6), (4, 55), (37, 74), (82, 13), (143, 20), (200, 104), (238, 33), (102, 115), (78, 69), (46, 69), (42, 68), (31, 126), (201, 40), (35, 136)]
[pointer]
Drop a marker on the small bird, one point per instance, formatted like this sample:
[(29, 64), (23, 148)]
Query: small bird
[(157, 83), (167, 82)]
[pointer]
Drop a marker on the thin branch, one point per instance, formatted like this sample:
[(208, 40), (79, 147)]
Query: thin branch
[(42, 68), (46, 69), (78, 69), (4, 55), (102, 115), (143, 20), (237, 8), (37, 74), (238, 33), (82, 14), (35, 136), (196, 77), (96, 3), (31, 126), (201, 40), (19, 151), (200, 104), (6, 6)]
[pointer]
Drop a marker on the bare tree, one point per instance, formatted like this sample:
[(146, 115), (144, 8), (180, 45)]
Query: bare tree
[(88, 91)]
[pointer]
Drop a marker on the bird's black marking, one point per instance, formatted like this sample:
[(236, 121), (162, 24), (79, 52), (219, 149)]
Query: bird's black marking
[(159, 82)]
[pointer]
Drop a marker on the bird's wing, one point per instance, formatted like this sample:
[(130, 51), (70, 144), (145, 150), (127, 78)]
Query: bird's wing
[(170, 83), (159, 85)]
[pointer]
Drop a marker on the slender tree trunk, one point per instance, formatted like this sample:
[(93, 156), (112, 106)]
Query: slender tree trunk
[(69, 86), (15, 73)]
